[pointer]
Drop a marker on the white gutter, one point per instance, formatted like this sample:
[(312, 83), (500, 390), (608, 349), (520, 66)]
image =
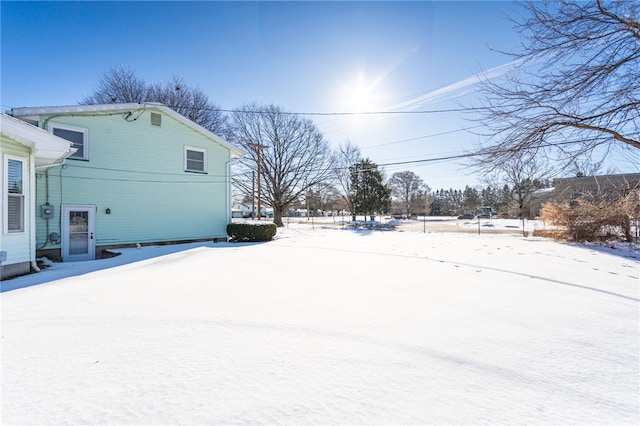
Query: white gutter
[(36, 112), (49, 150)]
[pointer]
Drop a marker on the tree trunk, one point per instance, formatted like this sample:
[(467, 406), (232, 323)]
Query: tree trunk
[(277, 217)]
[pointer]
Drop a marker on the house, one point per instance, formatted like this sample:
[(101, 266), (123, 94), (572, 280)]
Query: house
[(243, 210), (24, 149), (537, 198), (141, 174), (567, 189)]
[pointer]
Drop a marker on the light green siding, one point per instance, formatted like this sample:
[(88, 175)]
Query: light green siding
[(18, 244), (136, 170)]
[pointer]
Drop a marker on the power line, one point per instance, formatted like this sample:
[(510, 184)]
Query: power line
[(431, 111), (423, 137), (447, 157)]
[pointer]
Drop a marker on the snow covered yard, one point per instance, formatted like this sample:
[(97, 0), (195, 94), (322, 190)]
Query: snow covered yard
[(328, 326)]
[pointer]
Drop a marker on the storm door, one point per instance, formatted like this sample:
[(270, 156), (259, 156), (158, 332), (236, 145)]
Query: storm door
[(78, 227)]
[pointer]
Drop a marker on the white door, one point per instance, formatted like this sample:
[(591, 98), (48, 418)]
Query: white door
[(78, 227)]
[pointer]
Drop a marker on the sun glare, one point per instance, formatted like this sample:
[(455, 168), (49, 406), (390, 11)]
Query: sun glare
[(360, 95)]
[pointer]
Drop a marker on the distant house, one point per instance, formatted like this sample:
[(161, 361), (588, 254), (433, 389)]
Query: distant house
[(537, 198), (243, 210), (141, 174), (236, 212), (24, 150), (567, 189)]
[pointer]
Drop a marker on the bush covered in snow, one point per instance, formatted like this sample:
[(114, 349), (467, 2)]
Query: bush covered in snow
[(251, 232)]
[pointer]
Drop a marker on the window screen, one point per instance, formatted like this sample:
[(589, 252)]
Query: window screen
[(15, 195)]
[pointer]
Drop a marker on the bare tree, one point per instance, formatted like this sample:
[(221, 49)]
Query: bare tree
[(585, 167), (575, 87), (408, 187), (523, 175), (290, 153), (328, 198), (348, 154), (191, 102), (118, 85), (122, 85)]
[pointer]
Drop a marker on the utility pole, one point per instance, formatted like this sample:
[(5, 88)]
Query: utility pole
[(306, 198), (258, 148), (253, 194)]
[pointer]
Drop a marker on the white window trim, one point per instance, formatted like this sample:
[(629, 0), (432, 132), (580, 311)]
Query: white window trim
[(206, 160), (85, 136), (5, 191)]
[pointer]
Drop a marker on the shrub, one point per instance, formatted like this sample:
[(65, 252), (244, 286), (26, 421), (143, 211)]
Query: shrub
[(587, 220), (251, 232)]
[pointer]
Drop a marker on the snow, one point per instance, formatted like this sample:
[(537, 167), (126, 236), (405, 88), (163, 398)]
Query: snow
[(329, 325)]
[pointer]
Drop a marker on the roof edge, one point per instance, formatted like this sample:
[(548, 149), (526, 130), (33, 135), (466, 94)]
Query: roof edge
[(49, 150), (87, 109)]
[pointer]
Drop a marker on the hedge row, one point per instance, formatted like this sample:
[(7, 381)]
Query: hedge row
[(251, 232)]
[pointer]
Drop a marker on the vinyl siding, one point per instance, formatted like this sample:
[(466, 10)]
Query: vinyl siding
[(137, 171), (17, 245)]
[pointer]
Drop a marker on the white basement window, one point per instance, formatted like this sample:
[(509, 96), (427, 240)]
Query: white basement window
[(195, 159), (77, 136)]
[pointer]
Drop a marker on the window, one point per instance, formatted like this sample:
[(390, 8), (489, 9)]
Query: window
[(77, 137), (14, 190), (195, 159)]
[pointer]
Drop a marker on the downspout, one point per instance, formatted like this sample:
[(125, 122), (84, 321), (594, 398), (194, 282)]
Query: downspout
[(228, 191), (62, 167), (46, 191), (30, 205)]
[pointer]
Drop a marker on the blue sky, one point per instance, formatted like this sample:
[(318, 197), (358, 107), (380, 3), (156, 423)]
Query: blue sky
[(321, 57)]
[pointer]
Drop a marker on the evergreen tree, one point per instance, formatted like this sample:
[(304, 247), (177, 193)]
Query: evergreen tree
[(470, 200), (369, 193)]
